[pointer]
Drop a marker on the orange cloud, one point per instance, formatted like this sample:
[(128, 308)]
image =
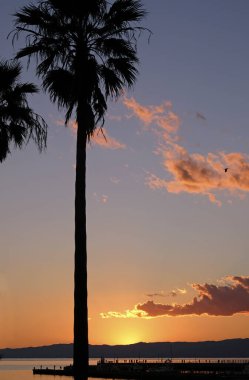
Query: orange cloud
[(104, 198), (101, 198), (172, 293), (190, 172), (213, 300), (199, 174), (135, 313), (162, 116), (71, 123), (100, 137), (157, 294)]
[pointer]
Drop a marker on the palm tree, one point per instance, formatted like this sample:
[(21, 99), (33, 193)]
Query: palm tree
[(18, 123), (85, 54)]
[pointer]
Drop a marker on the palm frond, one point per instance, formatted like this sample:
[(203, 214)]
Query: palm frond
[(48, 63), (18, 122), (87, 7), (60, 85), (99, 105), (4, 143), (116, 47), (85, 53), (125, 69), (122, 14), (33, 15), (9, 72), (112, 83), (21, 89), (30, 50)]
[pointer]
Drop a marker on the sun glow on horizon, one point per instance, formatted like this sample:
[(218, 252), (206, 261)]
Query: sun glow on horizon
[(126, 336)]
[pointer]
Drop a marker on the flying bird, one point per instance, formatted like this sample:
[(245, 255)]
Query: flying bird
[(225, 170)]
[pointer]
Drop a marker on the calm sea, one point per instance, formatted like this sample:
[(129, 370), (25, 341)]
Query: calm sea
[(21, 369)]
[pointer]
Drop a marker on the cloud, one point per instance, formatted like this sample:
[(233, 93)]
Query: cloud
[(172, 293), (200, 116), (115, 180), (156, 294), (162, 116), (198, 174), (102, 139), (104, 198), (185, 171), (127, 314), (242, 280), (100, 136), (182, 291), (101, 198), (177, 292), (212, 300), (114, 117), (71, 124)]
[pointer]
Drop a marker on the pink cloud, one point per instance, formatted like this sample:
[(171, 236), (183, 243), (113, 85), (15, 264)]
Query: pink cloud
[(213, 300), (199, 174), (162, 116), (71, 123), (101, 198), (104, 140), (100, 137), (104, 198), (186, 171)]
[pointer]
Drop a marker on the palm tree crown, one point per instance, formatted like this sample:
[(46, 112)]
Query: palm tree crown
[(88, 50), (18, 123)]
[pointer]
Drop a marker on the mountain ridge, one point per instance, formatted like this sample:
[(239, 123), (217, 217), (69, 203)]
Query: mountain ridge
[(228, 348)]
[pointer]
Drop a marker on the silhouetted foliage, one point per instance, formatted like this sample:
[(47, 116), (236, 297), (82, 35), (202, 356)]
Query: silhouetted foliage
[(85, 54), (18, 122)]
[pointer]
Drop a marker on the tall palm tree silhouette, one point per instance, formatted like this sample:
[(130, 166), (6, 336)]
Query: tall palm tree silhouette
[(18, 122), (85, 54)]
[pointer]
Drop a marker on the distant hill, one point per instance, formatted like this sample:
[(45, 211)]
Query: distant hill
[(229, 348)]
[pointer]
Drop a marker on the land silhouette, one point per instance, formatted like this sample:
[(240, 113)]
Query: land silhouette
[(229, 348)]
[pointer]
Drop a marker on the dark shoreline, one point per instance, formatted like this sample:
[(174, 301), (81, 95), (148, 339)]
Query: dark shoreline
[(186, 370), (229, 348)]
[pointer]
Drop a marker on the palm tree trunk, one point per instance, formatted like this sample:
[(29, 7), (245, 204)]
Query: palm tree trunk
[(80, 352)]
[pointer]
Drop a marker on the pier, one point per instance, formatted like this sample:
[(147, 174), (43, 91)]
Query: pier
[(143, 369)]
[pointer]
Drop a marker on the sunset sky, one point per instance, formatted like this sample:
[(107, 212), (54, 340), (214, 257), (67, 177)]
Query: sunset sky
[(167, 226)]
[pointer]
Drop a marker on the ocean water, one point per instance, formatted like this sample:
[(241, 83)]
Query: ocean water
[(21, 369)]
